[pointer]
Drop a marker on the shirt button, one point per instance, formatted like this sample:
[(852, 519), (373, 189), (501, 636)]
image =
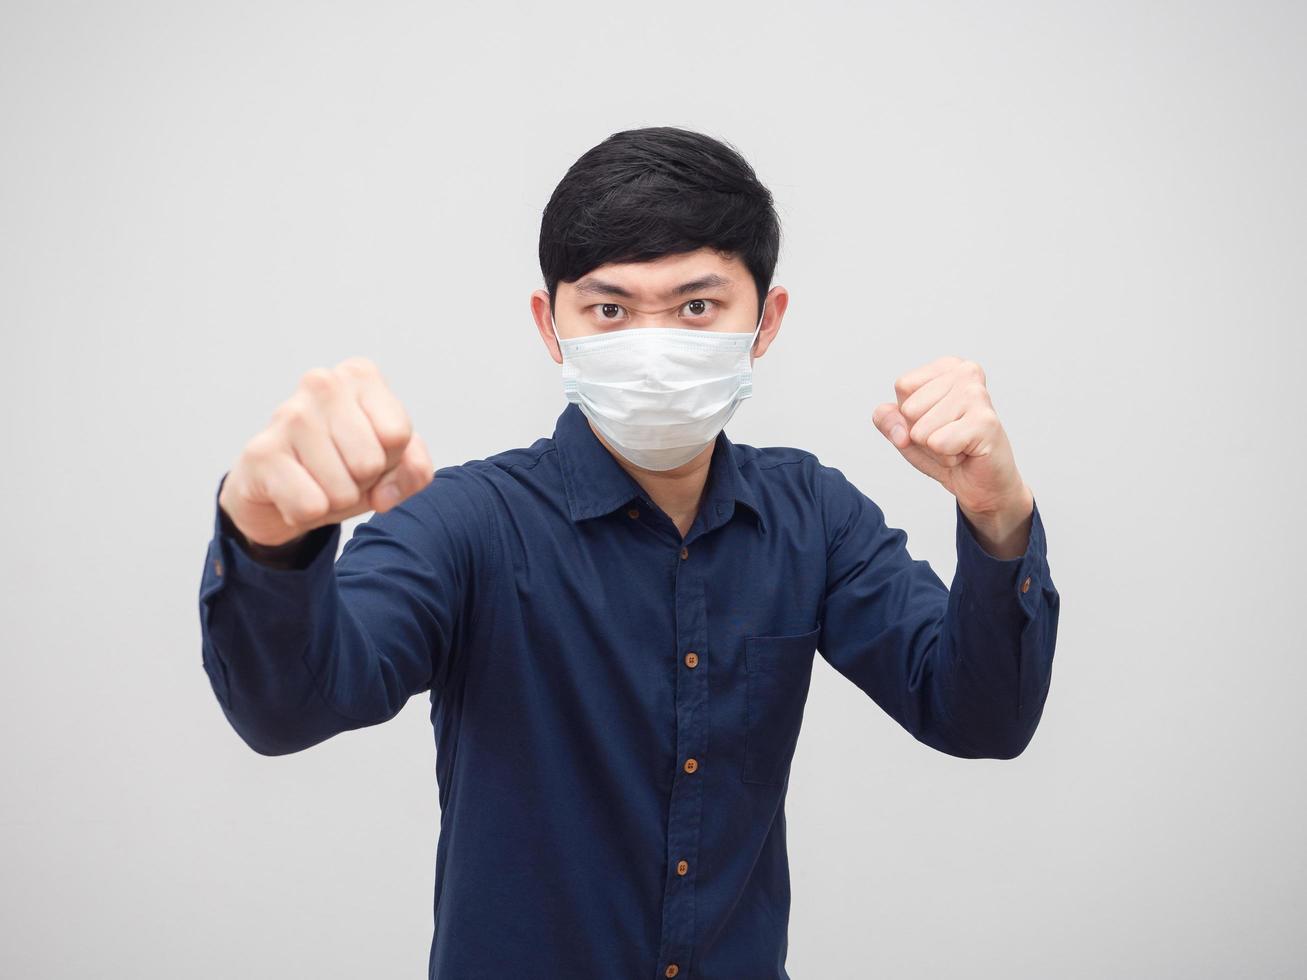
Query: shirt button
[(685, 552), (672, 970), (217, 566), (633, 512), (682, 867), (1025, 586), (692, 659), (691, 765)]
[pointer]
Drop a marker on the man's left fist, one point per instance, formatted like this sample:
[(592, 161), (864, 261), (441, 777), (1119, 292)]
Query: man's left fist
[(944, 424)]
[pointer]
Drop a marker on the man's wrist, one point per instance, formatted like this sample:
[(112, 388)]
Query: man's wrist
[(1004, 533), (286, 555)]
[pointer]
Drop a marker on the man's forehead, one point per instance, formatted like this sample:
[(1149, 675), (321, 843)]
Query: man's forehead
[(594, 285), (663, 278)]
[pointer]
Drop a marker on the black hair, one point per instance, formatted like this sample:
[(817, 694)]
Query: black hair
[(645, 193)]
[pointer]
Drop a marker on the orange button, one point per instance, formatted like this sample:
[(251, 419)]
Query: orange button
[(692, 659), (672, 970), (685, 552), (217, 566), (691, 765), (1025, 586), (633, 512), (682, 867)]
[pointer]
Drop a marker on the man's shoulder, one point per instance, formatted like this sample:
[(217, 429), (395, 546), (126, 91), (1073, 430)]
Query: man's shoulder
[(794, 470), (767, 458), (785, 464), (519, 457), (469, 494), (511, 465)]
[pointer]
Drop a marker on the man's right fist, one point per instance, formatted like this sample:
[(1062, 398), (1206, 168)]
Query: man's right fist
[(341, 445)]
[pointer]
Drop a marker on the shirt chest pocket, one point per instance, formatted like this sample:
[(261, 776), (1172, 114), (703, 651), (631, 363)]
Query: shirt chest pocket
[(778, 670)]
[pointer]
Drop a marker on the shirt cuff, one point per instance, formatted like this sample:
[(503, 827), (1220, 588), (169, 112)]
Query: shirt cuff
[(988, 578)]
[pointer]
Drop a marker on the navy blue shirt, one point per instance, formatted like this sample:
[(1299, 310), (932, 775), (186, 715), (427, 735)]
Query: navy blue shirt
[(616, 706)]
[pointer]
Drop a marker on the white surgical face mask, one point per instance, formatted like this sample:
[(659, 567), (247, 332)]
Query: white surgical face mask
[(658, 394)]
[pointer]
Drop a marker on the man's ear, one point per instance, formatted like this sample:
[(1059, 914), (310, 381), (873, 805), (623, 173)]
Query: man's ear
[(773, 311), (541, 313)]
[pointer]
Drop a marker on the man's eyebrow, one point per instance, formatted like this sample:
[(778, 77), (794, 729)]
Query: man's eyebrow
[(589, 284)]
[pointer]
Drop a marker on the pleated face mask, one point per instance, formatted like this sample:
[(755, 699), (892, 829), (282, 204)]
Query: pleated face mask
[(658, 394)]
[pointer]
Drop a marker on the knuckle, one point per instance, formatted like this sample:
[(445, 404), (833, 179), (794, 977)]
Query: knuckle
[(344, 497), (239, 490), (295, 416), (290, 407), (416, 472), (318, 382), (419, 464), (261, 448), (367, 466), (314, 512), (394, 435)]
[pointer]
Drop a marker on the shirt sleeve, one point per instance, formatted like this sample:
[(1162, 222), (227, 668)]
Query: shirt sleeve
[(966, 669), (296, 655)]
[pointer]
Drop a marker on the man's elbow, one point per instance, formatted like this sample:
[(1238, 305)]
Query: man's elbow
[(275, 736), (1005, 742), (269, 747), (1016, 738), (1012, 746)]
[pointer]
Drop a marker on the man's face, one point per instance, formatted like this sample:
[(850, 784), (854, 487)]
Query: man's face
[(699, 290)]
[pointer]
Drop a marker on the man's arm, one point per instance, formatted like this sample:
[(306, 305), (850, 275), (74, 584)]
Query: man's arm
[(965, 669), (300, 646)]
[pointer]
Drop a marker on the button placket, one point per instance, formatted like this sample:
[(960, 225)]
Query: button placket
[(686, 804)]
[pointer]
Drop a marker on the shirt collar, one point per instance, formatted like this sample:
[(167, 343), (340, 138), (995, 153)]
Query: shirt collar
[(596, 484)]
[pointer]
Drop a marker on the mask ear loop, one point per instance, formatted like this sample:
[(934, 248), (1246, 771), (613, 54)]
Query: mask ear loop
[(555, 329), (754, 339)]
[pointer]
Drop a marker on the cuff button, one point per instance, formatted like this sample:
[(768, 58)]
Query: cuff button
[(1025, 586)]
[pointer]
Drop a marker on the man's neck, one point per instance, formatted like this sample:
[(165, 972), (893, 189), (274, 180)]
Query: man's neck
[(677, 491)]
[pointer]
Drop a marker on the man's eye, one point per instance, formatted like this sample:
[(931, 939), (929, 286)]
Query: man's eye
[(698, 306), (605, 307)]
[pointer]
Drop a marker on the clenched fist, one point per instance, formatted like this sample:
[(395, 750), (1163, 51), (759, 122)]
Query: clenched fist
[(339, 446)]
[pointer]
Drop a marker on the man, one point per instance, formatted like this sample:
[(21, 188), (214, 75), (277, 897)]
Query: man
[(617, 623)]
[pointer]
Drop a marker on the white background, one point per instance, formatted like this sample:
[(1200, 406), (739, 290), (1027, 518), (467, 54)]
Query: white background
[(1101, 203)]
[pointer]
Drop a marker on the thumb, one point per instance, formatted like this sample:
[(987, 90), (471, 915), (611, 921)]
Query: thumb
[(411, 474), (891, 423)]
